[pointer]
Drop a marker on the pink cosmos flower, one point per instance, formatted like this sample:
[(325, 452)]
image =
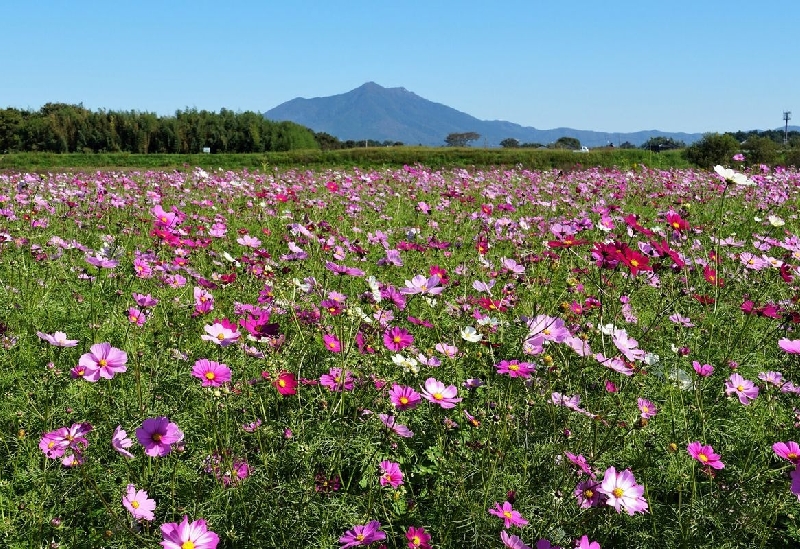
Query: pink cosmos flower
[(511, 541), (336, 380), (584, 543), (58, 339), (436, 392), (627, 345), (705, 455), (418, 538), (587, 494), (581, 463), (404, 398), (138, 503), (550, 328), (212, 374), (104, 361), (391, 423), (646, 408), (421, 285), (787, 450), (508, 514), (135, 316), (391, 474), (158, 435), (219, 334), (188, 535), (791, 346), (703, 370), (56, 443), (120, 442), (396, 338), (795, 487), (332, 343), (362, 535), (745, 389), (622, 491), (144, 300), (515, 368)]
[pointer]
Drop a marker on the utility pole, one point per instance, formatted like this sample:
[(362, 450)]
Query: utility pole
[(787, 115)]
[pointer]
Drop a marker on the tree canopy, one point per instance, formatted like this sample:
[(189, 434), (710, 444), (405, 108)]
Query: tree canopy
[(461, 139)]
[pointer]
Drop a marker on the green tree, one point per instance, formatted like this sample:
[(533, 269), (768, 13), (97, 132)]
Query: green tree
[(461, 139), (509, 143), (572, 143), (760, 150), (712, 149), (661, 143)]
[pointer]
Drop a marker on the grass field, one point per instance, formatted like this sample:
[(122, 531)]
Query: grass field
[(400, 356)]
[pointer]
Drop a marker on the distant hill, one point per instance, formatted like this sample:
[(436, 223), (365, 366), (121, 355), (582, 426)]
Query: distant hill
[(396, 114)]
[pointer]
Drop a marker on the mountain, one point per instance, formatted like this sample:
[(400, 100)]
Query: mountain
[(396, 114)]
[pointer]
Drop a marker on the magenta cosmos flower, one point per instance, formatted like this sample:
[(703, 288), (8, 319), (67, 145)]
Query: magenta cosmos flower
[(104, 361), (787, 450), (58, 339), (647, 408), (332, 343), (396, 338), (391, 423), (418, 538), (705, 455), (138, 503), (404, 398), (512, 541), (743, 388), (622, 491), (391, 474), (585, 543), (436, 392), (791, 346), (188, 535), (157, 435), (515, 368), (508, 514), (362, 535), (212, 374), (337, 380)]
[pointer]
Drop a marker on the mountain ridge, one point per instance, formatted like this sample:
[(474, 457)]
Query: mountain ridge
[(374, 112)]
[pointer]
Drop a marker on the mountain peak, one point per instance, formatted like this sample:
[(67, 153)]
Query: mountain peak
[(396, 114)]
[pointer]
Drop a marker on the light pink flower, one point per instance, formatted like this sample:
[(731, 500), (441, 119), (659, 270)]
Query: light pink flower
[(120, 441), (138, 503), (743, 388), (186, 535), (622, 491), (705, 455), (103, 361), (58, 339), (436, 392), (391, 474)]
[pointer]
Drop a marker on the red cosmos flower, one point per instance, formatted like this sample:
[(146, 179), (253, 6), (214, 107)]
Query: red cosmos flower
[(492, 304), (703, 299), (711, 277), (663, 249), (482, 245), (676, 222), (632, 222), (286, 384), (635, 261), (786, 273), (567, 242)]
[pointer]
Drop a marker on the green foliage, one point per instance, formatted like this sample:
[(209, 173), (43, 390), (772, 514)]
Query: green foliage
[(711, 150), (63, 128), (760, 150), (658, 144), (510, 143), (461, 139), (571, 143)]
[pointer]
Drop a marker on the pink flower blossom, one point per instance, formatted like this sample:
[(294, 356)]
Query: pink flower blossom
[(646, 408), (391, 423), (705, 455), (396, 338), (219, 334), (188, 535), (362, 535), (437, 393), (584, 543), (58, 339), (418, 538), (745, 389), (391, 474), (622, 491), (120, 442), (703, 370), (138, 503), (332, 343), (791, 346), (787, 450), (103, 361), (404, 398), (158, 435), (212, 374), (512, 541), (515, 368), (336, 380), (508, 514)]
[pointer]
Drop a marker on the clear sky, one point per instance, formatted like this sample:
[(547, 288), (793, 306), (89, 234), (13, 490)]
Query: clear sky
[(614, 66)]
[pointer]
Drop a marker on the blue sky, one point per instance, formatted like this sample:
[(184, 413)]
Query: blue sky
[(613, 66)]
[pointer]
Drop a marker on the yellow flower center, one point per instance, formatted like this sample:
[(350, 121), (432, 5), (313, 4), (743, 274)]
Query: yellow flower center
[(618, 492), (102, 362), (438, 396), (703, 458), (740, 388), (791, 455), (634, 263), (397, 339), (282, 383), (157, 437), (589, 494), (415, 540), (403, 400), (220, 336), (360, 537), (187, 545), (514, 367), (135, 504), (210, 376), (507, 514)]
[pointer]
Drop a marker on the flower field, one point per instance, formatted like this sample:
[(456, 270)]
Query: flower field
[(400, 358)]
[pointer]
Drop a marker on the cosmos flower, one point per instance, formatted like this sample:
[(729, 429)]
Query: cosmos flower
[(743, 388), (158, 435), (188, 535), (437, 393), (120, 442), (622, 491), (138, 503), (508, 514), (362, 535), (705, 455), (58, 339), (404, 398), (391, 474), (212, 374), (103, 361)]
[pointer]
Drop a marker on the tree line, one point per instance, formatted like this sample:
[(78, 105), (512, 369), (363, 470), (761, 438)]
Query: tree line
[(65, 128)]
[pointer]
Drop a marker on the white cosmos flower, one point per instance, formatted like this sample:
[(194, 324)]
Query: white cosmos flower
[(733, 176), (408, 363), (776, 221), (470, 334)]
